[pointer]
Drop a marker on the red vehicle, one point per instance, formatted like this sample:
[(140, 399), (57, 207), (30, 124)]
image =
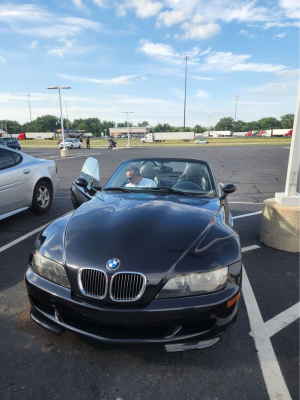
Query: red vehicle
[(248, 134), (260, 133), (21, 136), (289, 133)]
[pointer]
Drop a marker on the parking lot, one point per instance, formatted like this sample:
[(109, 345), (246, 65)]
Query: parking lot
[(258, 356)]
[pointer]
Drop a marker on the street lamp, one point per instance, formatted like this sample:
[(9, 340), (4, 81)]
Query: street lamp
[(236, 107), (67, 114), (186, 58), (64, 151), (29, 106), (128, 112)]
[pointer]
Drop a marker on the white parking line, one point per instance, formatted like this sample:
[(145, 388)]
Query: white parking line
[(274, 380), (248, 248), (20, 239), (247, 215), (281, 320), (242, 202)]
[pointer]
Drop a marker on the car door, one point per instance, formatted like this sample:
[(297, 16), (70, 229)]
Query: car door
[(14, 178), (90, 172)]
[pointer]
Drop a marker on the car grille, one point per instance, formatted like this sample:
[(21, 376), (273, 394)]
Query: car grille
[(93, 283), (127, 286)]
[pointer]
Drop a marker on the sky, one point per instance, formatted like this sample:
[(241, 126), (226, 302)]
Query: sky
[(128, 55)]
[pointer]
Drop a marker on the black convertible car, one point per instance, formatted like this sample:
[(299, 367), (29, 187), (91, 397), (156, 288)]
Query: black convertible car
[(151, 257)]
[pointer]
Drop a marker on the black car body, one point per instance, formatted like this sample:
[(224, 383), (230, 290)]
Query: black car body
[(12, 143), (165, 244)]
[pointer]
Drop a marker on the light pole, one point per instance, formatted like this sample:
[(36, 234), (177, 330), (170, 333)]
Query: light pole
[(128, 112), (64, 151), (209, 125), (29, 107), (235, 107), (67, 114), (186, 58)]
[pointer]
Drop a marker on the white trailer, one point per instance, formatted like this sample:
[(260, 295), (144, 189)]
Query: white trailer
[(240, 134), (162, 136), (279, 132), (221, 133), (40, 135)]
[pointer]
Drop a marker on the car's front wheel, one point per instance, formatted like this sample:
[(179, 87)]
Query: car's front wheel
[(42, 197)]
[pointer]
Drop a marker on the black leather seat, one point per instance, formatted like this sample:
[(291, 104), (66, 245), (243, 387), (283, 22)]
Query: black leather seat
[(147, 171), (195, 173)]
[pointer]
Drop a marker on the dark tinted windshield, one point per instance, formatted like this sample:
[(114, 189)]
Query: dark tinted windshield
[(190, 176)]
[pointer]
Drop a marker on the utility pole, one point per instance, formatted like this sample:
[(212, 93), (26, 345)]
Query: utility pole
[(186, 58), (209, 125), (29, 107)]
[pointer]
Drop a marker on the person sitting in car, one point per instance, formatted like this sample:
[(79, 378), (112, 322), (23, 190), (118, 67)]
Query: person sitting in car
[(136, 180)]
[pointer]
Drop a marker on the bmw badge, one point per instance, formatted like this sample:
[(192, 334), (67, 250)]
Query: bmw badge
[(113, 264)]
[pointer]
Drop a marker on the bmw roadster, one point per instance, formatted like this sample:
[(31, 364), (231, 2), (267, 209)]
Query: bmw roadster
[(152, 257)]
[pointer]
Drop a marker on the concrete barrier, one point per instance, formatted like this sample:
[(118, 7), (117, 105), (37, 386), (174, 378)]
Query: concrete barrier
[(280, 226)]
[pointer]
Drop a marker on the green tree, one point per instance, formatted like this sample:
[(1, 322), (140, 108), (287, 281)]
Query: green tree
[(144, 123), (287, 121), (240, 126), (46, 123), (163, 128), (199, 129), (226, 122), (269, 123), (13, 127), (123, 124)]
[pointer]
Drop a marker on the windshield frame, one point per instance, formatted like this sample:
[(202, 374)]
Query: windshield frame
[(214, 183)]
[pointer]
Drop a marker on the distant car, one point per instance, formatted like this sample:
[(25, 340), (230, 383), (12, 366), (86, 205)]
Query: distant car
[(12, 143), (71, 144), (2, 142), (289, 133), (25, 182), (201, 141)]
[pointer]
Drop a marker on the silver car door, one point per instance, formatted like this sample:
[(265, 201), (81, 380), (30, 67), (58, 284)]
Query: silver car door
[(14, 179)]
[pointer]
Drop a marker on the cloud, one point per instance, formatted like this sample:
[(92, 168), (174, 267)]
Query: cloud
[(2, 60), (166, 53), (120, 80), (169, 18), (33, 20), (33, 44), (246, 33), (60, 51), (281, 35), (143, 8), (202, 94), (287, 74), (202, 78), (79, 4), (198, 32), (229, 62), (291, 8)]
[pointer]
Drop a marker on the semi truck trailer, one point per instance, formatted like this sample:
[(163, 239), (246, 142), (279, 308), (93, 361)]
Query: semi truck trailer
[(157, 137), (36, 135)]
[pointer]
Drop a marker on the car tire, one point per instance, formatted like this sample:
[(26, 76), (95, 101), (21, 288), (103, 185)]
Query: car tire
[(42, 197)]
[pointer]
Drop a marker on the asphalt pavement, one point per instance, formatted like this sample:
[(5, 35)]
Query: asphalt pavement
[(37, 364)]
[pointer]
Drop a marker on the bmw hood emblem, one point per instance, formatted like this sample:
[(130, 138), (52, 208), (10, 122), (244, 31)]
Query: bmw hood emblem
[(113, 264)]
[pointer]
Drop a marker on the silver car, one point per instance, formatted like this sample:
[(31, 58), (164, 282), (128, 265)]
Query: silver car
[(25, 182)]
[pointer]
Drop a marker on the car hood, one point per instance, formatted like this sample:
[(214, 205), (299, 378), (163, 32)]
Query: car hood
[(145, 232)]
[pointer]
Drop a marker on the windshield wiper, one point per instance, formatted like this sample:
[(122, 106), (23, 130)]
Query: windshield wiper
[(173, 191), (119, 189)]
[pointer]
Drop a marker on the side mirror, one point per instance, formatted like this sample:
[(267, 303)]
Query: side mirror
[(81, 182), (229, 188)]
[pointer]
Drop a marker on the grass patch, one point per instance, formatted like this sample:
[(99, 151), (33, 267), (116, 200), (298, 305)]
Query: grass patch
[(232, 141)]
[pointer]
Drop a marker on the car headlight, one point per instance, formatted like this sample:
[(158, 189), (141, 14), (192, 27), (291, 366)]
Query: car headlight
[(50, 270), (195, 284)]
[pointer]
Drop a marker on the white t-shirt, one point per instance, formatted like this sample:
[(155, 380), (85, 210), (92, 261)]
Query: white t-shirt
[(145, 182)]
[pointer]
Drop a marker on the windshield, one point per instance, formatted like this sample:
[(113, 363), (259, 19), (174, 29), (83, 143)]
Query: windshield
[(164, 175)]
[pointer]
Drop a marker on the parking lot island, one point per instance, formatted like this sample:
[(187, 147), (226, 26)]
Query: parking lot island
[(280, 226)]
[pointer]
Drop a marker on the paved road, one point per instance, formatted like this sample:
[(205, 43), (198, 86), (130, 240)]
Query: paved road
[(37, 364)]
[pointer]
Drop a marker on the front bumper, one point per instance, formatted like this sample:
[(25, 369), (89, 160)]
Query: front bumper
[(179, 323)]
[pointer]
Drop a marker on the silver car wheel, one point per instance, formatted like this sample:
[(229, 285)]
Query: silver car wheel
[(43, 196)]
